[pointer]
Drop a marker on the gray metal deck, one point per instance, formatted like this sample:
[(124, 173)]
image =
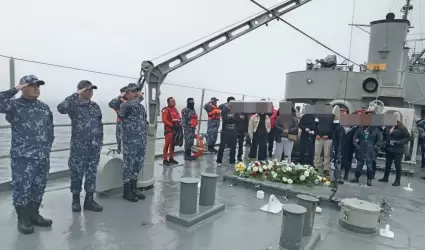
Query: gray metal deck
[(243, 225)]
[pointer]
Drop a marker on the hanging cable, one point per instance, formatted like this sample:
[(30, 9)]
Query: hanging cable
[(302, 32), (349, 50), (215, 32), (421, 24)]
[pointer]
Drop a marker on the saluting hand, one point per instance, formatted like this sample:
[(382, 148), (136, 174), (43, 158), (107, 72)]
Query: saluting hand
[(79, 91), (20, 86)]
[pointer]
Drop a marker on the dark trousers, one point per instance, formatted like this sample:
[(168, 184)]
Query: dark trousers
[(241, 138), (307, 149), (423, 156), (259, 145), (227, 138), (270, 139), (389, 159)]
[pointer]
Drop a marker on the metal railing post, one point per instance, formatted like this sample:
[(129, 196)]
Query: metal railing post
[(243, 97), (201, 111), (12, 73)]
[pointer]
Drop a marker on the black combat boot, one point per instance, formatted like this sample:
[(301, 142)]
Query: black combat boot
[(76, 206), (385, 178), (127, 194), (369, 182), (36, 219), (24, 223), (212, 149), (172, 161), (90, 204), (166, 163), (356, 179), (135, 191), (346, 175), (188, 156)]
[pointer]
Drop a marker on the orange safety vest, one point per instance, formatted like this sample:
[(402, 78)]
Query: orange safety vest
[(214, 114), (117, 110), (168, 115), (193, 120)]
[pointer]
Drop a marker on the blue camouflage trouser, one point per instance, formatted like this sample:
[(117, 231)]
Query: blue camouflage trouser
[(212, 132), (29, 179), (134, 156), (189, 137), (118, 134), (83, 166)]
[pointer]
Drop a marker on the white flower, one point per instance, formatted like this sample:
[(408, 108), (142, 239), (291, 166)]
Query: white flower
[(265, 167), (306, 173), (311, 168), (292, 164), (319, 178), (316, 182), (284, 179), (255, 169), (289, 169), (290, 181), (274, 174), (302, 178), (260, 170), (327, 183)]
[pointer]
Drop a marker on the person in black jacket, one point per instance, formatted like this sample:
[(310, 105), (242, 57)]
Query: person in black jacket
[(324, 132), (343, 148), (307, 138), (228, 135), (397, 137), (241, 121), (286, 129)]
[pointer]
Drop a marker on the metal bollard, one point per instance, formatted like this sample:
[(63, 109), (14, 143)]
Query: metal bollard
[(310, 203), (189, 195), (292, 226), (208, 188)]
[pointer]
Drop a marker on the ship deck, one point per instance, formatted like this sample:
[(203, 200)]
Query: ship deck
[(142, 225)]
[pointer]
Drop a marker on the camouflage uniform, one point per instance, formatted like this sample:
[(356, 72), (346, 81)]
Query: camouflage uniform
[(32, 138), (118, 134), (134, 135), (86, 141), (213, 127), (188, 130)]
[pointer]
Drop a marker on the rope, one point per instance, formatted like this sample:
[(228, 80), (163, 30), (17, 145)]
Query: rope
[(349, 49)]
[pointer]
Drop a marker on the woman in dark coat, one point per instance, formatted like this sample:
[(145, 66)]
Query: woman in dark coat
[(342, 143), (397, 137)]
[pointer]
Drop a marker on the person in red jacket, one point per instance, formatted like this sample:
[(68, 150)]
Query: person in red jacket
[(170, 118), (273, 117)]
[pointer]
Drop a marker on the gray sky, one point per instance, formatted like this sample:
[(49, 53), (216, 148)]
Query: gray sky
[(116, 36)]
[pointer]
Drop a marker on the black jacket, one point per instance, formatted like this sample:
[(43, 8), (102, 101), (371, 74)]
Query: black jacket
[(396, 139), (325, 126), (343, 140), (228, 118), (279, 127), (307, 121), (242, 121)]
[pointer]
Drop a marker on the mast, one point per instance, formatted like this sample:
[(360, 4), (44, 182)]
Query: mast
[(406, 9)]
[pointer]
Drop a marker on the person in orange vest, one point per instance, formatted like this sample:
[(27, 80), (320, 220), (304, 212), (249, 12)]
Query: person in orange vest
[(118, 129), (170, 118), (213, 123)]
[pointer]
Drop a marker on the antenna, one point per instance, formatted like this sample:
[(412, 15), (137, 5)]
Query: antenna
[(406, 8)]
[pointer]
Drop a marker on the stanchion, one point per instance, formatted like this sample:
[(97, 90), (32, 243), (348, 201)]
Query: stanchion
[(208, 188), (190, 213), (309, 203), (292, 226)]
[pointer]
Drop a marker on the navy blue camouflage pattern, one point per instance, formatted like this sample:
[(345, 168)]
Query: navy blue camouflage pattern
[(134, 135), (212, 127), (86, 141), (188, 130), (32, 139)]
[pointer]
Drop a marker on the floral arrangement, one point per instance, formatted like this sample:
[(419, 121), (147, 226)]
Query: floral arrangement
[(280, 171)]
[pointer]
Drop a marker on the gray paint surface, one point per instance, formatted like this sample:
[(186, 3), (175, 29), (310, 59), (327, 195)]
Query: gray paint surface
[(142, 225)]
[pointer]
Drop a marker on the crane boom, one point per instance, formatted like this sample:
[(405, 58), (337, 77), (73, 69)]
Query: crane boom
[(154, 76)]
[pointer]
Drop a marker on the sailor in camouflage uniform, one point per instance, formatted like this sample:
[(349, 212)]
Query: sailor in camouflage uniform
[(134, 128), (86, 143), (118, 129), (32, 137), (213, 123), (189, 122)]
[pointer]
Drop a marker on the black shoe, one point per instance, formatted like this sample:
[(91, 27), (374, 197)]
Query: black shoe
[(172, 161), (188, 155), (396, 183), (232, 162), (35, 217), (383, 180), (369, 182), (355, 180), (91, 205), (212, 149), (240, 159), (135, 191), (340, 181), (166, 163), (270, 155), (76, 206), (24, 223), (346, 176), (127, 194)]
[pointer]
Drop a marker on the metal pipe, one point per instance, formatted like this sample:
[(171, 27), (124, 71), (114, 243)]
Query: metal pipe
[(208, 188), (292, 226), (189, 195), (201, 111)]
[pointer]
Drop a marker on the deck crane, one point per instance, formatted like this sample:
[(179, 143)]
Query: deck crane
[(154, 76)]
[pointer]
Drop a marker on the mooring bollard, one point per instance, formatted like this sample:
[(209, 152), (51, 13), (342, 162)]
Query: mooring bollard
[(208, 189), (292, 226), (189, 195), (310, 203)]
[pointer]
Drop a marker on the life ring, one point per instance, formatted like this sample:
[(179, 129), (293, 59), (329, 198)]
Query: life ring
[(199, 146)]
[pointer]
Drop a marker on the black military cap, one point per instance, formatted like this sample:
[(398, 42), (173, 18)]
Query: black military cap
[(31, 80), (123, 89), (85, 84), (132, 87)]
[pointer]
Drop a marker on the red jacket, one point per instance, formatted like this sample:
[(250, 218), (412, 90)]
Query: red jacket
[(170, 117), (273, 118)]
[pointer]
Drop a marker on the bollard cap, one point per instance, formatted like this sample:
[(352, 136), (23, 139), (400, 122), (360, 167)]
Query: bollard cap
[(209, 175), (305, 197), (294, 209), (189, 180)]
